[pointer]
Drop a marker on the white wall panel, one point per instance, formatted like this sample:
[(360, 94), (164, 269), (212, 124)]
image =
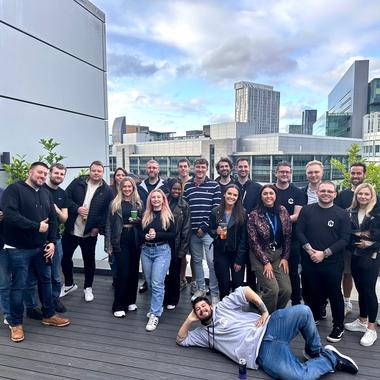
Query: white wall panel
[(33, 71), (62, 23)]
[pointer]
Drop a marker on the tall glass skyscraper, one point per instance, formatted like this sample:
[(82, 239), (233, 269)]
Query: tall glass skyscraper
[(258, 105), (309, 117)]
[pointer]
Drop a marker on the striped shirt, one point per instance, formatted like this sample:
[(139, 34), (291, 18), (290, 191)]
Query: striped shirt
[(201, 199)]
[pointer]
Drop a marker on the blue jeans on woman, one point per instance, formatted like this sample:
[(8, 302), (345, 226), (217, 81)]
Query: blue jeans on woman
[(156, 261), (276, 357), (21, 261), (5, 279)]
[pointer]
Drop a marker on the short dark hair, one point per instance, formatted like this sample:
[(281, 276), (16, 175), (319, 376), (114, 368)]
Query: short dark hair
[(183, 160), (38, 163), (361, 164), (199, 299), (224, 159), (97, 163), (327, 183), (201, 161), (242, 159), (283, 163), (59, 166)]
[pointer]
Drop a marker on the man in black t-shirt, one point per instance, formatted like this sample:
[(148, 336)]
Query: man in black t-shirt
[(292, 198), (344, 200)]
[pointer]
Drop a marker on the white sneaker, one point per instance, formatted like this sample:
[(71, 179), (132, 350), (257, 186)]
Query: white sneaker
[(193, 287), (132, 307), (356, 325), (119, 314), (6, 322), (65, 290), (215, 300), (199, 293), (148, 314), (347, 308), (152, 323), (170, 307), (88, 295), (369, 338)]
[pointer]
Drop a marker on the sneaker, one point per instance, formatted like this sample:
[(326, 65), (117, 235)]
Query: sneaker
[(170, 307), (60, 307), (215, 300), (143, 288), (193, 287), (17, 333), (310, 355), (119, 314), (344, 363), (6, 322), (356, 325), (132, 307), (148, 314), (369, 338), (65, 290), (336, 334), (34, 313), (199, 293), (183, 285), (347, 308), (152, 323), (56, 321), (88, 295), (324, 311)]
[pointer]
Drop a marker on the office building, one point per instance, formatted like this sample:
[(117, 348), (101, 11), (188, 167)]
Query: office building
[(374, 95), (309, 117), (295, 129), (257, 105), (371, 137)]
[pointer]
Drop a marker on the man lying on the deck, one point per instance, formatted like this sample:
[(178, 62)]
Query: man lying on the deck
[(262, 340)]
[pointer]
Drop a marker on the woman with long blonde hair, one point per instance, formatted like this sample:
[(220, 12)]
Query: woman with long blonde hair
[(157, 231), (365, 262), (122, 241)]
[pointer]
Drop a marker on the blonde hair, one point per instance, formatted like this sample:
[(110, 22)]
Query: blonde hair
[(166, 214), (135, 199), (372, 202), (314, 162)]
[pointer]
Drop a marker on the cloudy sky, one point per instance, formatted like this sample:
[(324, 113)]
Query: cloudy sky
[(172, 64)]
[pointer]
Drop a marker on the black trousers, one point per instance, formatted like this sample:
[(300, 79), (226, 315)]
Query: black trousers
[(321, 281), (295, 281), (127, 279), (251, 276), (87, 246), (225, 272), (173, 281), (365, 270)]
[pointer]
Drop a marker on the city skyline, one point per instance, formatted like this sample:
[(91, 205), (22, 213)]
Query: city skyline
[(172, 65)]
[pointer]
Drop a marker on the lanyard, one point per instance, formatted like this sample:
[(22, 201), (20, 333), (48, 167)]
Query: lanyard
[(273, 224)]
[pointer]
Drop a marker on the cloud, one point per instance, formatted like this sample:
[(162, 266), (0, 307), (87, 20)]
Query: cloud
[(221, 118)]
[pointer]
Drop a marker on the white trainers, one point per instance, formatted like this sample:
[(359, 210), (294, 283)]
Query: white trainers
[(215, 300), (347, 308), (152, 323), (369, 338), (170, 307), (356, 325), (132, 307), (65, 290), (148, 314), (119, 314), (88, 295)]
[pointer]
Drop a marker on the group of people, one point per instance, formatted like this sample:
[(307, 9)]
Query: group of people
[(244, 231)]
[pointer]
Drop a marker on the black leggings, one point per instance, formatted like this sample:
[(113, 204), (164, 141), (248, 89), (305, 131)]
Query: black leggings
[(365, 271)]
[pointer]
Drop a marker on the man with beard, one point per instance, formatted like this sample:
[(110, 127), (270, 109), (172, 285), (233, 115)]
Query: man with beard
[(262, 340), (224, 169), (30, 228), (343, 200)]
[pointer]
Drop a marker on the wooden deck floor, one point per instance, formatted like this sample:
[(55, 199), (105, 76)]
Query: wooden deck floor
[(98, 346)]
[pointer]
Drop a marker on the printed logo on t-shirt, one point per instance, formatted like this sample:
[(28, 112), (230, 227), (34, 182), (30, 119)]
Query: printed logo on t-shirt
[(290, 201), (330, 223), (223, 322)]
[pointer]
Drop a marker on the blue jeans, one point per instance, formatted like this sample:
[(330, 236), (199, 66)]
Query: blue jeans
[(5, 279), (156, 262), (276, 357), (30, 298), (198, 247), (22, 261)]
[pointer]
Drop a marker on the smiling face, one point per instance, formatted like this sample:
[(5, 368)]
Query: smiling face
[(314, 174), (96, 173), (224, 169), (176, 190), (268, 197), (152, 170), (156, 200), (326, 193), (231, 196), (119, 175), (283, 174), (183, 169), (364, 196), (57, 176), (200, 171), (242, 169), (203, 310), (38, 175), (127, 190), (357, 175)]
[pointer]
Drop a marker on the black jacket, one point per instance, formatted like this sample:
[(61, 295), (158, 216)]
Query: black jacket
[(114, 228), (182, 224), (1, 222), (97, 215), (236, 241), (24, 208), (249, 194), (370, 223)]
